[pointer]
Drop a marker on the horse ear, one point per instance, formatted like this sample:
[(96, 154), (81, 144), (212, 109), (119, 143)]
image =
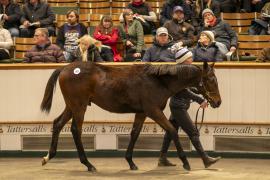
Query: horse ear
[(212, 65), (205, 65)]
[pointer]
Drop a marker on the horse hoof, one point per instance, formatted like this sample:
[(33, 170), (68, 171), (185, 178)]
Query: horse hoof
[(92, 169), (44, 161), (134, 167), (186, 167)]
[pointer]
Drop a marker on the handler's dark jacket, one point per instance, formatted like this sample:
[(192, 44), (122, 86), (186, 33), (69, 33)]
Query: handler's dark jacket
[(14, 13), (92, 54), (158, 53), (181, 31), (183, 98), (223, 33)]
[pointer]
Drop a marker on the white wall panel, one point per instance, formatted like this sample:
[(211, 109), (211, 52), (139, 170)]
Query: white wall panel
[(245, 98)]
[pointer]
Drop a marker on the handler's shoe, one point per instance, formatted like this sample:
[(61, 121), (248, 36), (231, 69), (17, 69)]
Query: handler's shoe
[(165, 162), (208, 161)]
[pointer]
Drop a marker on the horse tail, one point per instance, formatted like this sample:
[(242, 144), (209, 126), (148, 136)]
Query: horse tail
[(46, 103)]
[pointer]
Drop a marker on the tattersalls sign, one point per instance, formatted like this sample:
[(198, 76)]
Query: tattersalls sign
[(109, 132)]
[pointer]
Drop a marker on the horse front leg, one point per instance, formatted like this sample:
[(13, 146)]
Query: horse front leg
[(58, 125), (159, 117), (136, 129), (76, 129)]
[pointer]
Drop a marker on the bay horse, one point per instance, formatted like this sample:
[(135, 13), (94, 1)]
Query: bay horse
[(141, 89)]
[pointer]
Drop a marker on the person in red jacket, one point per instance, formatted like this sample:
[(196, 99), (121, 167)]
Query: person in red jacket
[(108, 35)]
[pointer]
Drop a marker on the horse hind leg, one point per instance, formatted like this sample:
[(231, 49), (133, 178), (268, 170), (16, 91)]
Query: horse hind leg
[(76, 129), (58, 125), (136, 129)]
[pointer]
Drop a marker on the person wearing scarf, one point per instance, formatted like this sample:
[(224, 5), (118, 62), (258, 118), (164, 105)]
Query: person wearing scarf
[(225, 36)]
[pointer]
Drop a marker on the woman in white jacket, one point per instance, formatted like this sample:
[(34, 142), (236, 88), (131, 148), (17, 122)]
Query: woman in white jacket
[(5, 41)]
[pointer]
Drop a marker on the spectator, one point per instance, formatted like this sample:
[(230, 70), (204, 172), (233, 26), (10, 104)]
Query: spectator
[(167, 10), (200, 5), (36, 14), (264, 55), (12, 14), (161, 49), (225, 36), (253, 5), (108, 35), (206, 49), (261, 26), (44, 50), (182, 32), (88, 50), (144, 14), (5, 40), (131, 32), (179, 105), (69, 33), (228, 6)]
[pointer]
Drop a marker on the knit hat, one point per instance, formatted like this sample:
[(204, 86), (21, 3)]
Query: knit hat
[(207, 11), (210, 35), (162, 30), (182, 54)]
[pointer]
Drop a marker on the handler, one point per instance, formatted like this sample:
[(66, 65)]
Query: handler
[(179, 104)]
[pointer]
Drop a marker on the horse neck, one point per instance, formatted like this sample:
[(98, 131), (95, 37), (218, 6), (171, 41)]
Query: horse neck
[(176, 83)]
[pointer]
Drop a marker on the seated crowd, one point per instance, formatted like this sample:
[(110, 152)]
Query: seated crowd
[(193, 25)]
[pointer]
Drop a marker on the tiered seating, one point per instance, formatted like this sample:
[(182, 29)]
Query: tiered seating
[(95, 7), (22, 45), (249, 46), (118, 6), (240, 22), (63, 6)]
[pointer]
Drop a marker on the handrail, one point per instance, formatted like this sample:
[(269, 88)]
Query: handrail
[(131, 122), (245, 65)]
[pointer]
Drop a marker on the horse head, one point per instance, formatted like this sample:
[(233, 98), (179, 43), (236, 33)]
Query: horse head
[(208, 85)]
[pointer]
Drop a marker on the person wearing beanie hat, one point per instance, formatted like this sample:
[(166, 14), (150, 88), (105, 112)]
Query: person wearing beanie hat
[(181, 31), (183, 56), (179, 105), (225, 36), (160, 51), (207, 49), (199, 6), (207, 11)]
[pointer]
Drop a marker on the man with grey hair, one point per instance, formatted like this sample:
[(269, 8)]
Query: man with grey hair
[(43, 50)]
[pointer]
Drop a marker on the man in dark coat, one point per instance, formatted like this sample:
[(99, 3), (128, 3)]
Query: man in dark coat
[(161, 49), (181, 31), (36, 14), (167, 10), (12, 14)]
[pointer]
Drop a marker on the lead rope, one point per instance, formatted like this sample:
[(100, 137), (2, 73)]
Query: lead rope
[(196, 119)]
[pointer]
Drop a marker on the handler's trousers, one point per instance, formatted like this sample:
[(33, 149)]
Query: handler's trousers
[(180, 118)]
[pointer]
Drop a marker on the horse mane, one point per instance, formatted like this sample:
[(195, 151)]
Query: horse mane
[(183, 71)]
